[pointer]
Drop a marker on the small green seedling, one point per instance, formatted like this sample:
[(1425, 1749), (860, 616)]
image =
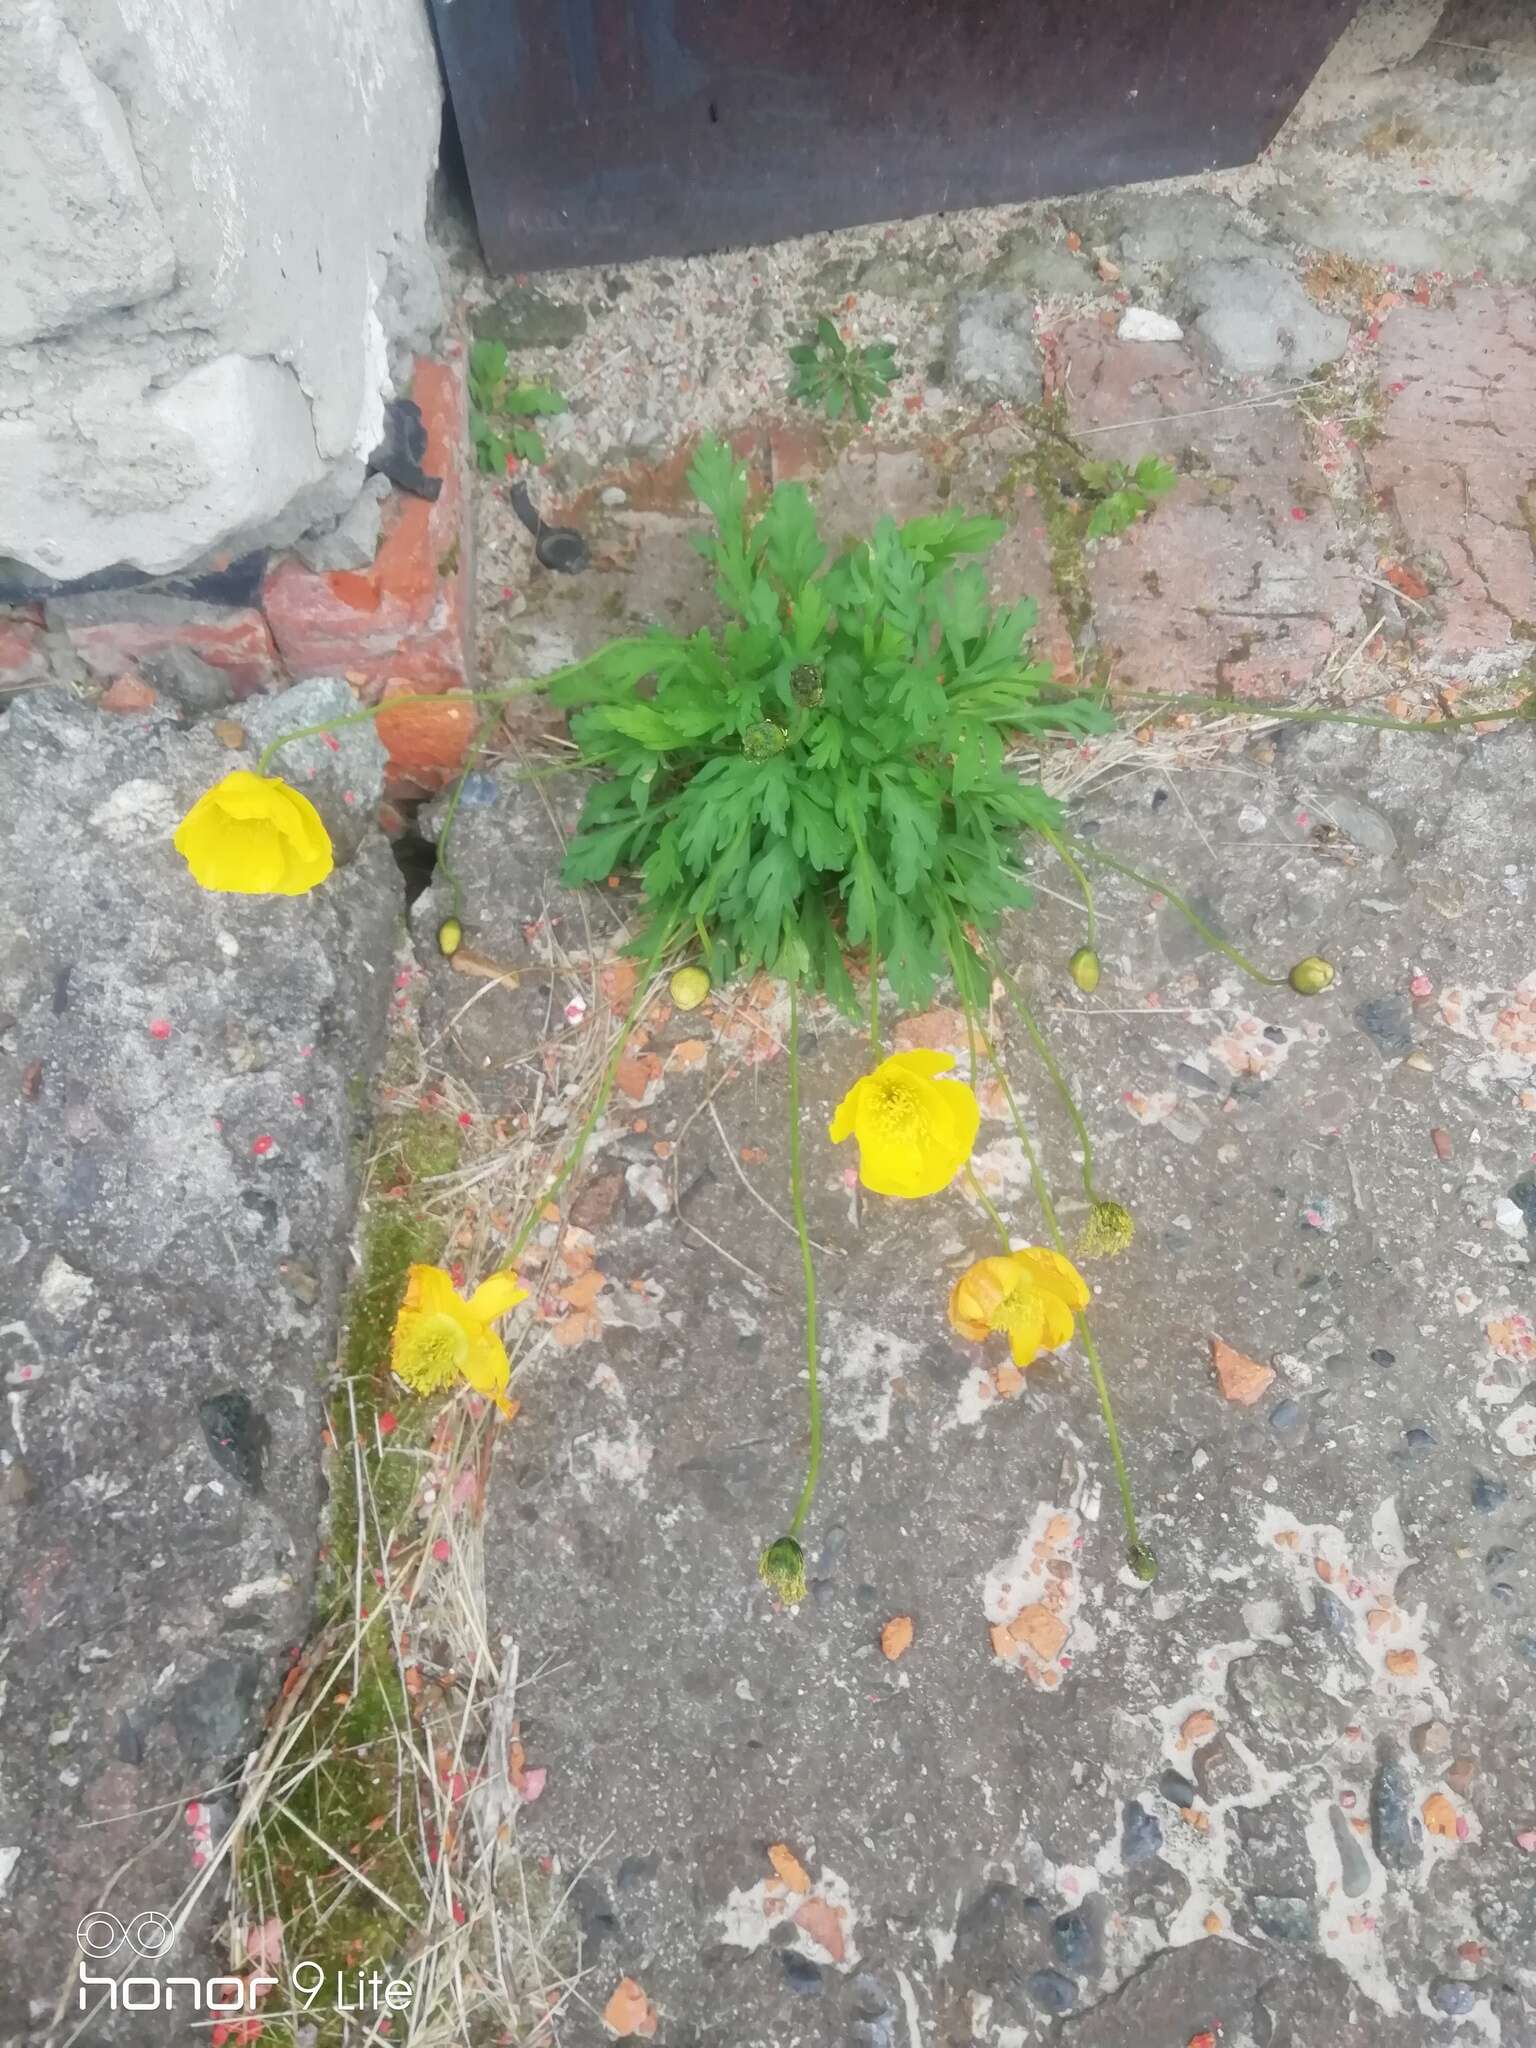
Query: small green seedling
[(1124, 495), (831, 374), (499, 412)]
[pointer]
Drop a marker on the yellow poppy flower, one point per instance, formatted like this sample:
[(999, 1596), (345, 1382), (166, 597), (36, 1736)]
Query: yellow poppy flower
[(253, 835), (439, 1337), (1030, 1294), (915, 1132)]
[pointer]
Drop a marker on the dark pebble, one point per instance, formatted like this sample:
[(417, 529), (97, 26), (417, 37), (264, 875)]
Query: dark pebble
[(1499, 1558), (866, 1595), (1501, 1590), (1354, 1871), (1382, 1356), (1389, 1020), (833, 1544), (1526, 1646), (1285, 1416), (1141, 1834), (1488, 1493), (800, 1973), (1177, 1788), (1284, 1919), (1051, 1991), (1194, 1077), (236, 1436), (1418, 1438), (1452, 1996), (1523, 1195), (1396, 1830), (1275, 1033), (635, 1871), (1072, 1938)]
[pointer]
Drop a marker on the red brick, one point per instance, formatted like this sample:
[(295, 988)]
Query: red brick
[(21, 649), (1224, 587), (227, 638), (797, 449), (427, 742), (405, 617), (128, 693), (1020, 566), (1455, 463), (663, 486)]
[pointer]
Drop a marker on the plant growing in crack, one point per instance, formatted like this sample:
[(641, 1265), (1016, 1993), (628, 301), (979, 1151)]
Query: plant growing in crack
[(821, 789), (835, 375), (501, 413), (1120, 495)]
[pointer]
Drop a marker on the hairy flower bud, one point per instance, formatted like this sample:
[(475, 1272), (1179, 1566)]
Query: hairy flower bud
[(1084, 969), (782, 1570), (762, 741), (688, 988), (805, 684), (1108, 1231), (1311, 976)]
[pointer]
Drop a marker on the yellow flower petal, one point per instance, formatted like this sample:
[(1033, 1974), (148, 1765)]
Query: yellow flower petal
[(842, 1123), (487, 1368), (1026, 1332), (431, 1290), (254, 835), (1053, 1274), (493, 1297), (922, 1059)]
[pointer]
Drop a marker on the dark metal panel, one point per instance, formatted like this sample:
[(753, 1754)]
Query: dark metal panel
[(596, 130)]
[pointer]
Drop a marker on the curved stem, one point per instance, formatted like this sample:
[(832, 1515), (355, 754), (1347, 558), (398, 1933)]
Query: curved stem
[(1075, 867), (1026, 1017), (372, 711), (1258, 707), (986, 1202), (1139, 1554), (797, 1203), (1188, 912), (599, 1101), (451, 810)]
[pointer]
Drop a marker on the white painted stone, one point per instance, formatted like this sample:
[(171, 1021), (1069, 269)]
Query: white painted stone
[(212, 238), (1140, 323)]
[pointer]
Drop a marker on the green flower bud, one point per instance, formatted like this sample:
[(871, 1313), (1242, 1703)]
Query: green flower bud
[(782, 1570), (762, 741), (1084, 969), (1142, 1560), (805, 684), (1108, 1231), (450, 936), (1311, 976), (688, 988)]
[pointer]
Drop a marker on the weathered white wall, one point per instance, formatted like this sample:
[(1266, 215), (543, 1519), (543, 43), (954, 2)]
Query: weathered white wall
[(212, 227)]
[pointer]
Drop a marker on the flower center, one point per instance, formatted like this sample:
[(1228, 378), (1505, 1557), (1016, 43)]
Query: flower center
[(896, 1112), (439, 1346), (1014, 1306)]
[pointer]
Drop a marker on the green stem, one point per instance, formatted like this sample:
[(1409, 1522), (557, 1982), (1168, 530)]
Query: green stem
[(599, 1101), (1376, 721), (986, 1202), (1188, 912), (797, 1203), (1139, 1554), (1070, 861), (1026, 1017), (451, 810), (372, 711)]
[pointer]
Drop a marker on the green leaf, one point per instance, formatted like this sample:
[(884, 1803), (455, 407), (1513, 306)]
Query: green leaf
[(527, 444), (937, 539), (914, 830), (612, 672), (593, 856), (1115, 513), (786, 540), (828, 336), (533, 401), (640, 722), (487, 365), (1155, 476)]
